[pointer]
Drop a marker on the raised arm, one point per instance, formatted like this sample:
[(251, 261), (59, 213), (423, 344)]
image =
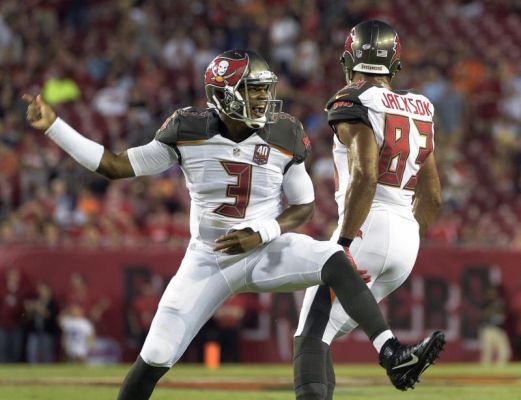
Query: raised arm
[(427, 196), (88, 153)]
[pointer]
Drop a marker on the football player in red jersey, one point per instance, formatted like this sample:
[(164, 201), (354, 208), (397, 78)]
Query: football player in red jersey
[(388, 193), (239, 157)]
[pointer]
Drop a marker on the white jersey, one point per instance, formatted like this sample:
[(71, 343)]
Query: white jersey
[(76, 331), (388, 242), (232, 183), (402, 123)]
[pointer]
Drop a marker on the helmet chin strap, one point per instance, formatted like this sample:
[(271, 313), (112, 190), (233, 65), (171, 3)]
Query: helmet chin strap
[(255, 123)]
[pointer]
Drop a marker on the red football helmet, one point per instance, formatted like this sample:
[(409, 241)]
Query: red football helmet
[(227, 81), (372, 47)]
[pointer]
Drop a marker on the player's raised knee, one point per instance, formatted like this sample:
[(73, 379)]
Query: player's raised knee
[(159, 352)]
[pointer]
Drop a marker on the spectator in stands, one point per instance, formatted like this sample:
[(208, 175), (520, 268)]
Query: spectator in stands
[(226, 329), (516, 313), (178, 49), (445, 230), (284, 32), (448, 103), (112, 100), (93, 305), (62, 203), (77, 333), (13, 292), (142, 309), (9, 38), (516, 164), (8, 178), (160, 71), (42, 327), (494, 343), (34, 168)]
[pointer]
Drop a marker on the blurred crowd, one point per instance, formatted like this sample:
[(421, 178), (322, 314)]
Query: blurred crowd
[(42, 321), (115, 70), (38, 325)]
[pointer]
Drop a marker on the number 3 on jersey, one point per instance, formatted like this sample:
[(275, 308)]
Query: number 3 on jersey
[(240, 191), (396, 150)]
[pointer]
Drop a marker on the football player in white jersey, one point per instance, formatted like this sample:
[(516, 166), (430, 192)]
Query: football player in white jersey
[(388, 193), (240, 156)]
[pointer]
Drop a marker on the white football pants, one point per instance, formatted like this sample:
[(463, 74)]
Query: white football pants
[(388, 250), (206, 279)]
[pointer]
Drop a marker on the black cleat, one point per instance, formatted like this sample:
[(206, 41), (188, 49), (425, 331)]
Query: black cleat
[(405, 364)]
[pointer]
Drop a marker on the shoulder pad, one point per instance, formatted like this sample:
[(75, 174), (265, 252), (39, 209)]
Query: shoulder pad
[(405, 91), (349, 93), (188, 125), (288, 135), (346, 105)]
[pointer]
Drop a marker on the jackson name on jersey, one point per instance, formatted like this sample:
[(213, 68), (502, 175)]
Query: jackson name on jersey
[(230, 183), (402, 123)]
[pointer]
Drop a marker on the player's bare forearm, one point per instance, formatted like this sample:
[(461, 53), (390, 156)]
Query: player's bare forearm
[(363, 155), (115, 166), (246, 239), (359, 198), (295, 216), (425, 212), (427, 202)]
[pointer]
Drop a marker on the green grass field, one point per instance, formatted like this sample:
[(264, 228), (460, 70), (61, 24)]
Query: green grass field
[(255, 382)]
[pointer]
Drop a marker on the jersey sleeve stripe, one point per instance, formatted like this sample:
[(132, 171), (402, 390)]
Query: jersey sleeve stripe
[(190, 142), (283, 151)]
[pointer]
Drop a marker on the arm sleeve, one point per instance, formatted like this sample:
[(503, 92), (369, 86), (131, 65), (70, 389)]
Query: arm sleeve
[(85, 151), (297, 185), (152, 158)]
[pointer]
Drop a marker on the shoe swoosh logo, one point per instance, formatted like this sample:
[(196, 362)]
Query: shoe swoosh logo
[(412, 361), (424, 368)]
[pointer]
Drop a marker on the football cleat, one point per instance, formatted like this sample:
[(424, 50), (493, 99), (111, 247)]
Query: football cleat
[(405, 364)]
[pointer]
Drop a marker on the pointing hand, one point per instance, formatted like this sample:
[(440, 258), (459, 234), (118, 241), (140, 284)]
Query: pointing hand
[(39, 114)]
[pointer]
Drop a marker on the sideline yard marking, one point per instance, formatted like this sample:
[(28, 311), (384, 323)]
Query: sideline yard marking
[(231, 383)]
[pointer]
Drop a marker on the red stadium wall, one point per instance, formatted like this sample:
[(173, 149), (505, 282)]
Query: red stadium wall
[(444, 292)]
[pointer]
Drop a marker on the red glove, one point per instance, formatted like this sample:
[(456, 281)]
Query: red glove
[(364, 274)]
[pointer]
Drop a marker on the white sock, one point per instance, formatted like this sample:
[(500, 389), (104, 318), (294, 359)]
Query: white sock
[(383, 337)]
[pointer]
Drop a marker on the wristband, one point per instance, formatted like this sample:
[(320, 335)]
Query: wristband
[(345, 242), (85, 151), (267, 229)]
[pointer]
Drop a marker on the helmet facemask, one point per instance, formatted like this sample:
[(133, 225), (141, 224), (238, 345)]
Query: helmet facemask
[(243, 101)]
